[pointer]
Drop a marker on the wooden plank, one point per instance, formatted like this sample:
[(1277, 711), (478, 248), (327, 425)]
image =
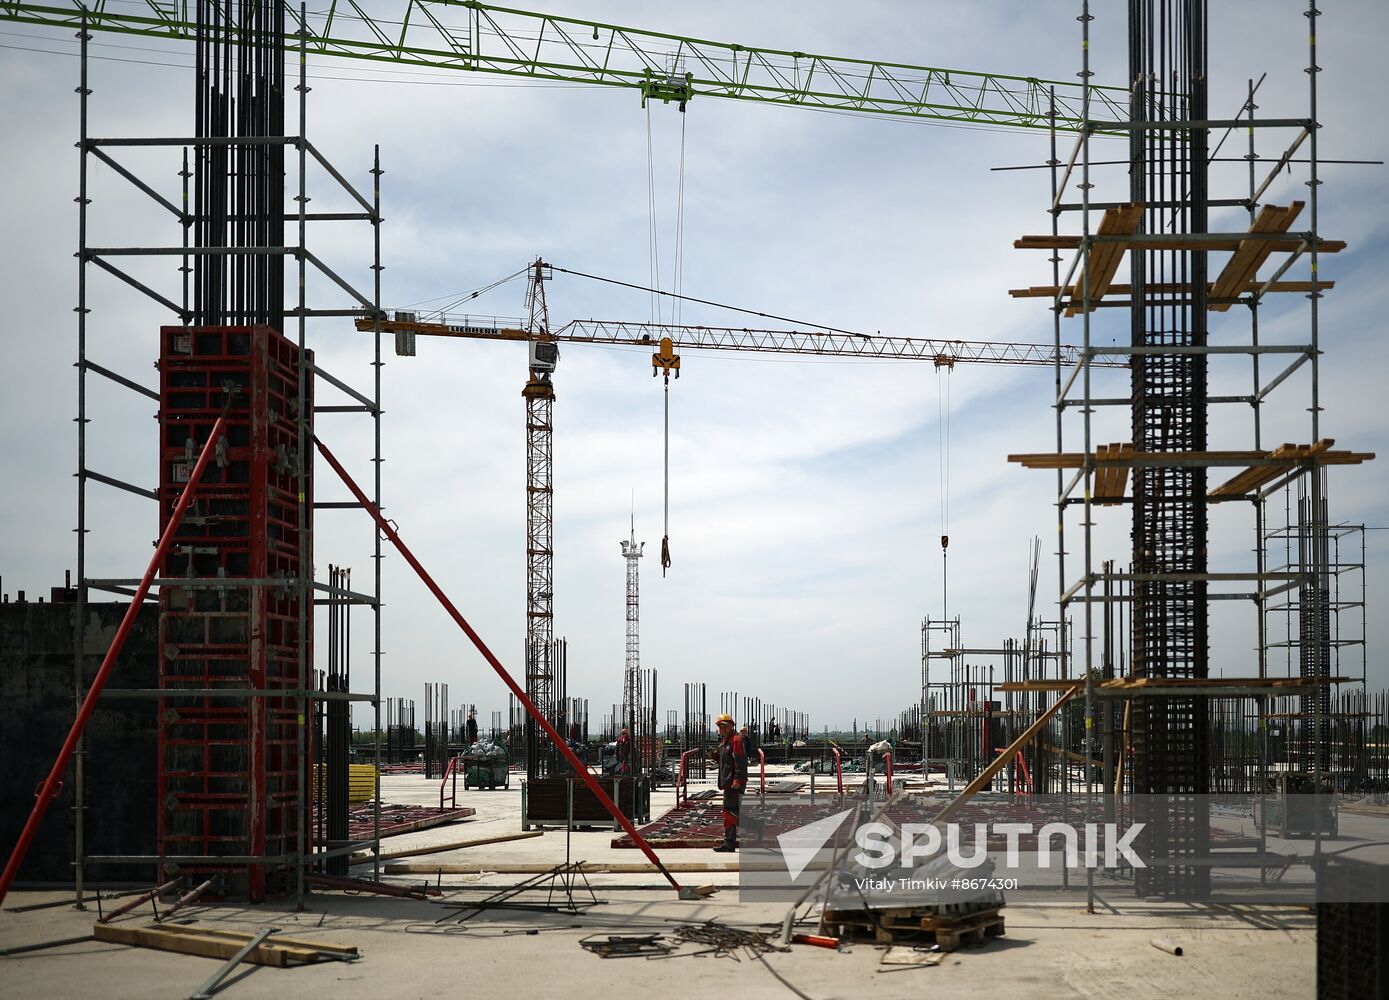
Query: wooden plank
[(1141, 242), (1111, 480), (204, 946), (1245, 262), (1130, 458), (1168, 287), (278, 941), (1074, 459), (1158, 683), (1254, 477), (1125, 452), (1105, 258)]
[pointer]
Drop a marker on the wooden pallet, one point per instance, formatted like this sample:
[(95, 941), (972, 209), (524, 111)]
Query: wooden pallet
[(897, 926)]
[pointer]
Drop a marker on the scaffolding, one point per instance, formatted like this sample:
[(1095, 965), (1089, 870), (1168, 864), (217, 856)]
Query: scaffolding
[(1164, 594), (232, 258), (970, 709)]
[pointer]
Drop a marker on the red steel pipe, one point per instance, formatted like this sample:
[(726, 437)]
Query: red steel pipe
[(84, 714), (191, 896), (762, 763), (838, 769), (389, 531), (452, 769), (682, 780), (144, 897)]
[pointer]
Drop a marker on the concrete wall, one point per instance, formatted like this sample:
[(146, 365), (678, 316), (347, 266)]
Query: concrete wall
[(36, 709)]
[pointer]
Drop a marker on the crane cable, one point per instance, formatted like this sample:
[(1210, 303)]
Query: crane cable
[(675, 307), (678, 272), (653, 247), (943, 372)]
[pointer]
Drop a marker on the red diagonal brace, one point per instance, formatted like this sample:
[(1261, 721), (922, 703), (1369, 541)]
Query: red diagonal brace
[(84, 714), (389, 531)]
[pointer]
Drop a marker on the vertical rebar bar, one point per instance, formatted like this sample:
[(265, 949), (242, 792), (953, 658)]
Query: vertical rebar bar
[(79, 637)]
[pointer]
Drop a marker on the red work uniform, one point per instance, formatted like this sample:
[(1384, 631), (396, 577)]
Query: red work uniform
[(733, 778)]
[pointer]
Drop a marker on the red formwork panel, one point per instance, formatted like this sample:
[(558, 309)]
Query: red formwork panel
[(228, 768)]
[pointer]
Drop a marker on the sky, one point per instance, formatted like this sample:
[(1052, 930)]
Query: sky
[(806, 494)]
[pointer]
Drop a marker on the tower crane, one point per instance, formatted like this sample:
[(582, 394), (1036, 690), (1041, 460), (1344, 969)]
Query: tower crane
[(666, 339), (473, 37)]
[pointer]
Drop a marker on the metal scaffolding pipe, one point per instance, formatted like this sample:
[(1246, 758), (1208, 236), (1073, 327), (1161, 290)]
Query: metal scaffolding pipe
[(53, 782), (540, 720)]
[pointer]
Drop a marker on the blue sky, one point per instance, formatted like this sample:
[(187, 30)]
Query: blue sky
[(805, 501)]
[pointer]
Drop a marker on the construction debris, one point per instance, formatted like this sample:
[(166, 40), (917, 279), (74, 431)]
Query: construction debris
[(905, 957), (914, 924), (627, 945), (728, 942)]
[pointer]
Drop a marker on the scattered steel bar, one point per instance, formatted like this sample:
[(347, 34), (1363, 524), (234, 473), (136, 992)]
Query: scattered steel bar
[(205, 991)]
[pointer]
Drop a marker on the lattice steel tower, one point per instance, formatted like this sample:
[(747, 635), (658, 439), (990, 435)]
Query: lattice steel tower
[(631, 691), (539, 394)]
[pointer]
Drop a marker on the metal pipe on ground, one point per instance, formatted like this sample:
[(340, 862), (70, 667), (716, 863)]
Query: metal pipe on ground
[(144, 897), (1171, 947), (190, 897), (558, 741), (456, 845), (43, 945)]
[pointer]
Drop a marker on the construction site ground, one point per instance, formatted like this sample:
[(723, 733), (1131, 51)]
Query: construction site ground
[(1049, 950)]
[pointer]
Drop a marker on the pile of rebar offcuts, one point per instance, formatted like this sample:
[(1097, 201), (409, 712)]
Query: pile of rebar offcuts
[(718, 940)]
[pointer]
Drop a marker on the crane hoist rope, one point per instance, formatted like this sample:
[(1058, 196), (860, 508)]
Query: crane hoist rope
[(945, 366), (665, 359), (653, 246)]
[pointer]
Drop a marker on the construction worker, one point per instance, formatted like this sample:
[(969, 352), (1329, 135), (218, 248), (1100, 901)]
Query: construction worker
[(471, 727), (624, 753), (733, 778)]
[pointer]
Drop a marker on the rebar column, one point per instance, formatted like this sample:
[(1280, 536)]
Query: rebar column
[(1168, 167)]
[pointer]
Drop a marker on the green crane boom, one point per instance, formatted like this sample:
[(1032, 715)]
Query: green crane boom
[(478, 38)]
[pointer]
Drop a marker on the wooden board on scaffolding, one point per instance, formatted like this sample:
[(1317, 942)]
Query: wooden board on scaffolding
[(1274, 685), (1238, 277), (1103, 262), (1179, 288), (1273, 463), (1256, 476)]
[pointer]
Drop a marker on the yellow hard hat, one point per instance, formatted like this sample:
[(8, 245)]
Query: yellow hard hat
[(724, 718)]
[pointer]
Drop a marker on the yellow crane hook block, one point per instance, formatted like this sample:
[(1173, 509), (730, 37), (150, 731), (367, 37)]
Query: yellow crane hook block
[(665, 360)]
